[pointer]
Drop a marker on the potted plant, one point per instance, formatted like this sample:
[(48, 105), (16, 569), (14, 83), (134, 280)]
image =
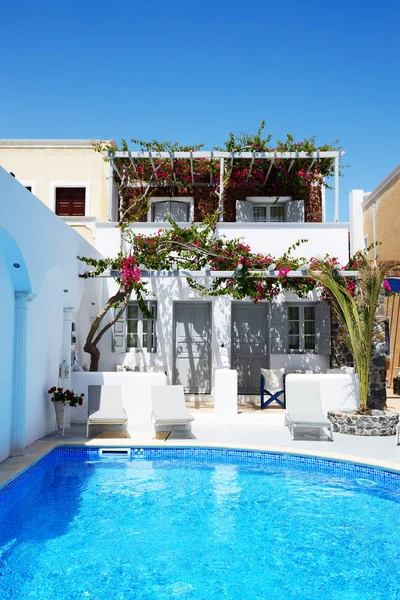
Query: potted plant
[(62, 399)]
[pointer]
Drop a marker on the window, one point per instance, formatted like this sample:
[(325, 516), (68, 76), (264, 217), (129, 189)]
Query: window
[(70, 201), (301, 328), (271, 213), (178, 211), (29, 188), (135, 332)]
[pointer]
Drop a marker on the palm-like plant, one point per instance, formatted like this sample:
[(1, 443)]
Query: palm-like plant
[(355, 303)]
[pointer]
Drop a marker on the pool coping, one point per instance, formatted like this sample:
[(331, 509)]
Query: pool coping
[(13, 467)]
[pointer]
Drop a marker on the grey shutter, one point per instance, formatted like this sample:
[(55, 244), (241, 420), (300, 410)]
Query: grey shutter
[(279, 328), (323, 328), (180, 211), (151, 328), (244, 210), (161, 210), (295, 211), (119, 332)]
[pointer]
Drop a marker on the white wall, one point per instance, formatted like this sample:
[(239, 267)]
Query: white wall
[(356, 221), (274, 238), (6, 357), (135, 392), (48, 248)]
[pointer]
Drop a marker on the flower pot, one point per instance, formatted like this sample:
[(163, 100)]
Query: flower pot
[(60, 409)]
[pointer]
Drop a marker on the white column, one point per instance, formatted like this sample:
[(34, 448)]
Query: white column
[(336, 218), (323, 202), (22, 300), (221, 189), (66, 347)]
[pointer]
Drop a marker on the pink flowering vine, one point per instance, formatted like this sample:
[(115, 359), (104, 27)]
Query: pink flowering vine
[(130, 272), (386, 286)]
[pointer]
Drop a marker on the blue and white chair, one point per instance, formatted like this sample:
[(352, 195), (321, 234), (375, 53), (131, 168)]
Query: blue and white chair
[(272, 387)]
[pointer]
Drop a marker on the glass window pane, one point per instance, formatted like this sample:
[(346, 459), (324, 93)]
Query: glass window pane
[(133, 311), (132, 340), (260, 213), (309, 327), (277, 214), (294, 342), (132, 326), (293, 313), (309, 342), (309, 313), (294, 327)]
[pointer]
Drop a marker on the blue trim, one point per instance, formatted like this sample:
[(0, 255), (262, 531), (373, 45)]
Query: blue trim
[(271, 397), (70, 454)]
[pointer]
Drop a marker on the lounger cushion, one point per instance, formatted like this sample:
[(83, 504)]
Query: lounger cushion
[(169, 405)]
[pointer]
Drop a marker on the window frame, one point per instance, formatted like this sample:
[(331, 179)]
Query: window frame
[(302, 335), (154, 200), (268, 207), (70, 184), (140, 330)]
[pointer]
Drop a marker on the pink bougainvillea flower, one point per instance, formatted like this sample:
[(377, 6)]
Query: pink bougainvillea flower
[(387, 287)]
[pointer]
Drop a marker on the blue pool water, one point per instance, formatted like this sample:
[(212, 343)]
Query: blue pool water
[(199, 525)]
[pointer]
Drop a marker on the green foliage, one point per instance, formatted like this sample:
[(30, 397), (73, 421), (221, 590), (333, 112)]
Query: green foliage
[(355, 305)]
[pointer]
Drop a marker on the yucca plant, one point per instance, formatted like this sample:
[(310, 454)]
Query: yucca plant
[(355, 302)]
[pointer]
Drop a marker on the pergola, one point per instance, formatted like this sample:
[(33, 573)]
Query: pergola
[(211, 155)]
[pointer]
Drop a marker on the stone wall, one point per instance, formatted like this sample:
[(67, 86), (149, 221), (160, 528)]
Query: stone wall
[(340, 353), (377, 375)]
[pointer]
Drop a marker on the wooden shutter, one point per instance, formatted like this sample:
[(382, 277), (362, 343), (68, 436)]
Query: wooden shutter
[(295, 211), (119, 330), (70, 202), (323, 329), (244, 210), (151, 328), (279, 328)]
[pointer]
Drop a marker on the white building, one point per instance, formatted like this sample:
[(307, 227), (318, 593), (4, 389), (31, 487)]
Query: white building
[(190, 335)]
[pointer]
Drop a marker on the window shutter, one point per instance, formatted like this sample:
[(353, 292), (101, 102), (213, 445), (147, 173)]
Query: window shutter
[(295, 211), (279, 328), (244, 210), (119, 332), (323, 328), (161, 210), (151, 328), (180, 211)]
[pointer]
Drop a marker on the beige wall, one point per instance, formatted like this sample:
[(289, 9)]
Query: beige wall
[(48, 167), (387, 219)]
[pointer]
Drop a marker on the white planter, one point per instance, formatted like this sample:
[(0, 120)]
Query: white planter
[(60, 409)]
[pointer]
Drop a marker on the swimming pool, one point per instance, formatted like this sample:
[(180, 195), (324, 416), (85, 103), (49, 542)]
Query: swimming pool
[(201, 524)]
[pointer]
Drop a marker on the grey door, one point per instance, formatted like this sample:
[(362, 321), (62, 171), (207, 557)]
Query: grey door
[(192, 327), (249, 344)]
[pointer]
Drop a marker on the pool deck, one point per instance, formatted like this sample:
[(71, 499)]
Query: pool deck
[(251, 429)]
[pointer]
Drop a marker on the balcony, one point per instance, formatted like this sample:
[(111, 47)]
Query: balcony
[(274, 238)]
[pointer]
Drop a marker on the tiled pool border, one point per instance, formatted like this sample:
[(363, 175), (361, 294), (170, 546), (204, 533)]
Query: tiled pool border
[(335, 466)]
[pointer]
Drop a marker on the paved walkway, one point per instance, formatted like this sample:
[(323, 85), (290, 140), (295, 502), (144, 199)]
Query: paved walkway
[(254, 429)]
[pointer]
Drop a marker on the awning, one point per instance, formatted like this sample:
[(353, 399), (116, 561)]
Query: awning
[(394, 283)]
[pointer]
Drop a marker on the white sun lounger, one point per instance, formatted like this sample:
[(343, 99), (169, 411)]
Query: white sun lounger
[(105, 406), (169, 406), (303, 407)]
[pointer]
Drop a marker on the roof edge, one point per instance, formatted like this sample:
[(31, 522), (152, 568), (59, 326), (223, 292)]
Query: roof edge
[(54, 143), (382, 187)]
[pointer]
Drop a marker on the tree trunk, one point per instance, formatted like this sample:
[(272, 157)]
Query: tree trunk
[(94, 335), (94, 356)]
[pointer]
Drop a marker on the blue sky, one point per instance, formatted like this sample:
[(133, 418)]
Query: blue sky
[(193, 71)]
